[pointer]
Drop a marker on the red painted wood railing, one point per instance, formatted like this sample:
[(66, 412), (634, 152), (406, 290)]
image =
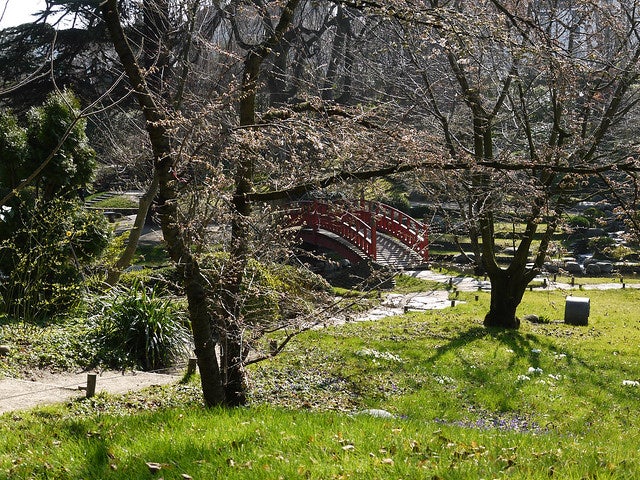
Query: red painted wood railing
[(396, 223), (336, 219), (358, 222)]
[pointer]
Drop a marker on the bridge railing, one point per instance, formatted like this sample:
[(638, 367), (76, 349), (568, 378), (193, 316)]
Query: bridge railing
[(336, 219), (396, 223)]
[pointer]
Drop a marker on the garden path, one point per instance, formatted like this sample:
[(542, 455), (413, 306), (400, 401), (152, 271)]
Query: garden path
[(16, 394)]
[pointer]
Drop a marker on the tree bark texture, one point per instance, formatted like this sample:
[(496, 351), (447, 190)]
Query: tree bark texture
[(157, 124), (507, 289)]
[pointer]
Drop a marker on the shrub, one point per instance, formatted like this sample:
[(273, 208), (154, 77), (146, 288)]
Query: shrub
[(598, 245), (593, 214), (46, 238), (270, 292), (136, 328), (578, 221), (617, 252), (162, 280), (44, 249)]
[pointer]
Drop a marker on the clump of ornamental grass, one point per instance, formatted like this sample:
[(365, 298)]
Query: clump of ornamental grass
[(138, 328)]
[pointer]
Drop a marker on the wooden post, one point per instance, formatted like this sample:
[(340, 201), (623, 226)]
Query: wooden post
[(91, 384), (191, 366), (453, 303), (477, 297), (573, 280)]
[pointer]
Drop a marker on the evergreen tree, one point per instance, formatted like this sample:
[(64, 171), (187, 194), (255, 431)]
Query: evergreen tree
[(46, 236)]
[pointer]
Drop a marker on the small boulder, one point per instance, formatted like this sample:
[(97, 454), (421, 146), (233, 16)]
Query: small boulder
[(593, 269), (605, 267), (5, 350), (551, 267), (594, 232), (464, 259), (573, 267)]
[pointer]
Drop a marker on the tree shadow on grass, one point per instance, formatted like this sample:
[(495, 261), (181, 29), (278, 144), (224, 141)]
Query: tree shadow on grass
[(540, 359), (522, 344)]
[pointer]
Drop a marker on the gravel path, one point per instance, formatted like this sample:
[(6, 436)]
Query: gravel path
[(397, 304), (470, 284)]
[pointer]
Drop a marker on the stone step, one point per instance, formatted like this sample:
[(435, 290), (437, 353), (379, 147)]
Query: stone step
[(99, 198)]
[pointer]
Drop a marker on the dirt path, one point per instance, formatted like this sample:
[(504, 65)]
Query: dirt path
[(18, 394)]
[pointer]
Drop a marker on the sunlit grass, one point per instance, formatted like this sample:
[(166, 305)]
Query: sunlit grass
[(547, 401)]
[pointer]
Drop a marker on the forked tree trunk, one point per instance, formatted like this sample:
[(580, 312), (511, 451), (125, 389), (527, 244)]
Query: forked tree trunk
[(509, 285), (507, 289)]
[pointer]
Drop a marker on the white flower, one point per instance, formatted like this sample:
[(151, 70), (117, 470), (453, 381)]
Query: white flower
[(555, 377), (535, 350), (370, 352), (444, 379), (536, 370), (559, 356), (631, 383), (523, 378)]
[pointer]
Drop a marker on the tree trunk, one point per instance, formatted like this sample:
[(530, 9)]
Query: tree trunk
[(145, 202), (507, 289), (508, 285), (235, 384), (158, 129), (204, 338)]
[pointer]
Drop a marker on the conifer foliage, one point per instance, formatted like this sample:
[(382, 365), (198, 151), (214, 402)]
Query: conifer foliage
[(46, 236)]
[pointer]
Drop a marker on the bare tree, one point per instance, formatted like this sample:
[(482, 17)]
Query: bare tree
[(528, 96)]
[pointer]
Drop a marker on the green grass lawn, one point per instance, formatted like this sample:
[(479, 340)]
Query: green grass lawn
[(115, 202), (547, 401)]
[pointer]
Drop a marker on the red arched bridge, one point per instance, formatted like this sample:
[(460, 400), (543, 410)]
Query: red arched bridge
[(378, 231)]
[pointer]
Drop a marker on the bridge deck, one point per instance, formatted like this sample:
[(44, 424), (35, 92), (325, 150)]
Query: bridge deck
[(392, 253)]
